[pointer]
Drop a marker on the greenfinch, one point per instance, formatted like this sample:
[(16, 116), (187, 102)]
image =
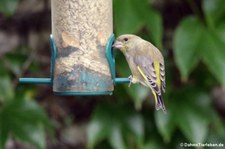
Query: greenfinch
[(146, 64)]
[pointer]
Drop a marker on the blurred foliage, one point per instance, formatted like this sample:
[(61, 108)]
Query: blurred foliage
[(128, 120), (116, 124), (8, 7), (139, 15), (202, 39), (21, 117)]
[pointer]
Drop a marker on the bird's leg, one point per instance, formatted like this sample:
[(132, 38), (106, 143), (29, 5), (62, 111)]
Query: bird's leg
[(132, 80)]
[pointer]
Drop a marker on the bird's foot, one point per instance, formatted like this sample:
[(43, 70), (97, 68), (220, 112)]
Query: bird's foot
[(130, 79)]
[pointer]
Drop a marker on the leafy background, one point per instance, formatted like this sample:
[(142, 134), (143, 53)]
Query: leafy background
[(191, 36)]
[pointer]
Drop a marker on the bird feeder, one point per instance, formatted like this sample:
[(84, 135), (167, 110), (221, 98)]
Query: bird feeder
[(82, 61)]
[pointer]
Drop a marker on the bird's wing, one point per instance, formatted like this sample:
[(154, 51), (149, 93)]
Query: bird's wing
[(162, 76), (153, 72)]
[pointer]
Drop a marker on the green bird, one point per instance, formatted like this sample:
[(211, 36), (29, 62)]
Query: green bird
[(146, 64)]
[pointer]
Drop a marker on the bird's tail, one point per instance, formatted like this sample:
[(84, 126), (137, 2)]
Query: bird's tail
[(159, 104)]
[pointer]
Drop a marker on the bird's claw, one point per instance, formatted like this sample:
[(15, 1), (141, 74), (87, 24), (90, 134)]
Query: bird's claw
[(130, 79)]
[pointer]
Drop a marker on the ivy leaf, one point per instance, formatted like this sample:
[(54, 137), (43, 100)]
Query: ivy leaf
[(136, 125), (124, 11), (122, 65), (191, 115), (138, 94), (35, 137), (213, 54), (131, 16), (214, 11), (4, 133), (6, 89), (8, 7), (154, 25), (193, 42), (153, 144), (115, 123), (97, 131), (165, 124), (216, 123), (25, 120), (3, 70), (151, 19), (116, 138), (186, 45), (220, 30), (193, 126), (14, 63)]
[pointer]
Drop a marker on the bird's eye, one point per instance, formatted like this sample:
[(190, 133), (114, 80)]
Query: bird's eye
[(125, 39)]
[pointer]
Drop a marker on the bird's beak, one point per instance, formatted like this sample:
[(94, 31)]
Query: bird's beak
[(117, 45)]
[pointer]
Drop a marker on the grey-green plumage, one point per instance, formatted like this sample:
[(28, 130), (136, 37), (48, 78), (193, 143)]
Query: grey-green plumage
[(146, 64)]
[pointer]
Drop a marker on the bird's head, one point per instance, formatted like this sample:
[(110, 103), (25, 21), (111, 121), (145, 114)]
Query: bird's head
[(125, 42)]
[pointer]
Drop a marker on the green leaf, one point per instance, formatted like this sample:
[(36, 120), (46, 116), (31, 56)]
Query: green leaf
[(214, 11), (152, 20), (220, 29), (126, 17), (215, 139), (186, 45), (136, 125), (131, 16), (8, 7), (217, 131), (165, 124), (14, 63), (192, 42), (115, 137), (122, 65), (37, 136), (153, 144), (26, 121), (4, 131), (190, 112), (96, 132), (34, 134), (99, 127), (193, 125), (216, 123), (3, 70), (116, 123), (154, 25), (213, 54), (138, 94), (6, 88)]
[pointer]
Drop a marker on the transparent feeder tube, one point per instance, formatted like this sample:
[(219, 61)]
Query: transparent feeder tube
[(81, 29)]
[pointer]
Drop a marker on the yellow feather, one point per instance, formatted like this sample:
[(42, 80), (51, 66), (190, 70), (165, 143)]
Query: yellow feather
[(142, 73), (144, 76), (157, 70), (156, 102)]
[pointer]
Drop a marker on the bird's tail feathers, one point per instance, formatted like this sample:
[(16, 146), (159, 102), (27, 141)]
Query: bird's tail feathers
[(159, 104)]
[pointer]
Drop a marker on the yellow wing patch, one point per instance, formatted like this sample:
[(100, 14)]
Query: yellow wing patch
[(157, 70)]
